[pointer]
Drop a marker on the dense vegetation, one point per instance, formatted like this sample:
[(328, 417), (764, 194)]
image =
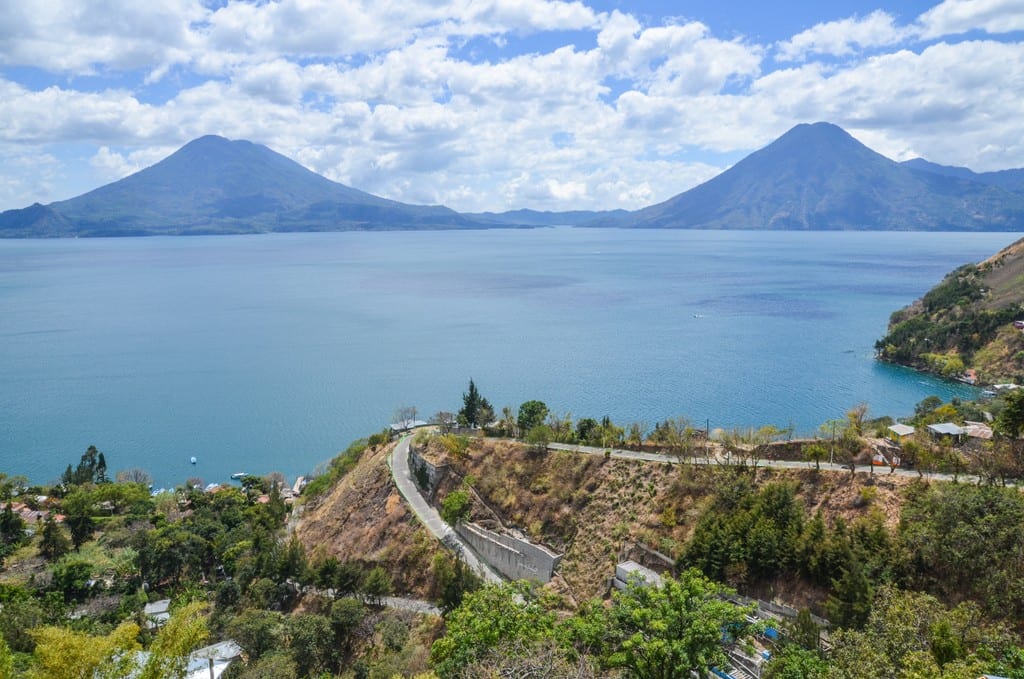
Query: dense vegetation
[(938, 592), (73, 593), (965, 322)]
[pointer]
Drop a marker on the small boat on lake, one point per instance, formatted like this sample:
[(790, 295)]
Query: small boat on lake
[(238, 475), (192, 459)]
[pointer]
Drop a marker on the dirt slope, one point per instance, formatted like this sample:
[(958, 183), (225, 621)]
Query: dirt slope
[(364, 518)]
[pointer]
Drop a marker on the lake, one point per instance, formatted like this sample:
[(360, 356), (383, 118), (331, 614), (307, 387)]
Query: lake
[(263, 353)]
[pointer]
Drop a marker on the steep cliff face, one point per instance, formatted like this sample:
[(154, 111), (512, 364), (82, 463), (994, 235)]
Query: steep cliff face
[(966, 322)]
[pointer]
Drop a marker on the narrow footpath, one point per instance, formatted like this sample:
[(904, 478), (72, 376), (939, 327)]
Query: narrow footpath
[(398, 461)]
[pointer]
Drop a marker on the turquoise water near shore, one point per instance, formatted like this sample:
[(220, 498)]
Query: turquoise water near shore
[(261, 353)]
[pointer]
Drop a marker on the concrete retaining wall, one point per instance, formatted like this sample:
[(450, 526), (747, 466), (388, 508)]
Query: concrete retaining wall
[(420, 467), (514, 558)]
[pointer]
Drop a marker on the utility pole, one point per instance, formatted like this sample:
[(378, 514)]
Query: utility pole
[(832, 449)]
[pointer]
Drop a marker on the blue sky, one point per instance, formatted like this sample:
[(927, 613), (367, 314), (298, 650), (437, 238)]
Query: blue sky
[(499, 104)]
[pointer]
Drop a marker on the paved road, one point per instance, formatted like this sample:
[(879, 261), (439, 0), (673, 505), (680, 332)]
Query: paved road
[(398, 461), (777, 464)]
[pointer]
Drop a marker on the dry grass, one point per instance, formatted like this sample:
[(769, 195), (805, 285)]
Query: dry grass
[(364, 518)]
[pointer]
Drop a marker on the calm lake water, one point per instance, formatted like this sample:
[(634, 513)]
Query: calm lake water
[(262, 353)]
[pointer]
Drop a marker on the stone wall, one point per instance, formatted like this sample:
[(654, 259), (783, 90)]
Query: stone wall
[(424, 470), (514, 558)]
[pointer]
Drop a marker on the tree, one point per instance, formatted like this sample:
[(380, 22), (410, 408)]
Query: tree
[(850, 602), (12, 529), (257, 632), (77, 508), (453, 581), (61, 653), (53, 543), (6, 661), (509, 425), (668, 632), (134, 475), (793, 662), (494, 618), (444, 420), (455, 507), (531, 414), (816, 451), (376, 584), (183, 633), (1010, 421), (472, 405), (311, 641)]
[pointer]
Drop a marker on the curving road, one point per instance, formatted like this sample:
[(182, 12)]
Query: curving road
[(761, 462), (398, 461)]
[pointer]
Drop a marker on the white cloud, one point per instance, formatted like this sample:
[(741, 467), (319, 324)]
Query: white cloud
[(844, 37), (67, 36), (381, 96), (953, 17)]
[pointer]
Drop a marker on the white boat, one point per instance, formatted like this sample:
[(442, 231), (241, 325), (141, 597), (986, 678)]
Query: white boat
[(192, 459), (237, 475)]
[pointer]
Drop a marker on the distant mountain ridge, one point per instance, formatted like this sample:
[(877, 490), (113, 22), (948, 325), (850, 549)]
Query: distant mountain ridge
[(216, 186), (818, 177), (814, 177)]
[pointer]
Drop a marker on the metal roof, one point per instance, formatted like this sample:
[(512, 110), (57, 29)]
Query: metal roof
[(947, 428)]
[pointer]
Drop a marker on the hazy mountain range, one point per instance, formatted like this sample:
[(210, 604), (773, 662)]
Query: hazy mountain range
[(814, 177)]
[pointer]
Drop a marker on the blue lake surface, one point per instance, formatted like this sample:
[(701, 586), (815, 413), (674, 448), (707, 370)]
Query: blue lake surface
[(263, 353)]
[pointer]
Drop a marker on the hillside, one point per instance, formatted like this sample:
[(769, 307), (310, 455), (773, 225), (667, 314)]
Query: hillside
[(964, 322), (596, 510), (363, 518), (818, 177), (216, 186)]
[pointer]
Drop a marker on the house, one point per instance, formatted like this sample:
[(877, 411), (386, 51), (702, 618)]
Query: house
[(978, 430), (946, 429), (898, 432)]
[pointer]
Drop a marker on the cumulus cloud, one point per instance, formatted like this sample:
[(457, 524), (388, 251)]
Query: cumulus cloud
[(844, 37), (953, 17)]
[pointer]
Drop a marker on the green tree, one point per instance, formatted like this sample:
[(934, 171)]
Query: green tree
[(12, 529), (793, 662), (453, 580), (494, 618), (531, 414), (6, 661), (61, 653), (850, 601), (455, 507), (311, 641), (816, 451), (257, 632), (77, 507), (376, 584), (473, 405), (1010, 421), (183, 633), (668, 632)]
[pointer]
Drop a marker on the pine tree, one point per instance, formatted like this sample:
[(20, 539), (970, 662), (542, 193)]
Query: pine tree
[(473, 407), (54, 544)]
